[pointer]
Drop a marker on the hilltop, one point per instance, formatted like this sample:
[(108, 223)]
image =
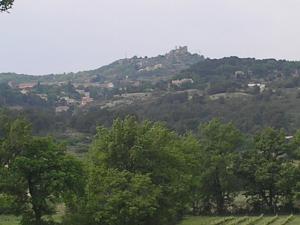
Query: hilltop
[(135, 68), (179, 88)]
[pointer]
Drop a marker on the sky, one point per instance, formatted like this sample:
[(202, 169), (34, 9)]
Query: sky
[(56, 36)]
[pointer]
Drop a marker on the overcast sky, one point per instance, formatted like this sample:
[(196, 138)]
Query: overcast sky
[(55, 36)]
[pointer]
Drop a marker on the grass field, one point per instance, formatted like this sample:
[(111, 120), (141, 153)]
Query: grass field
[(8, 220), (11, 220), (251, 220)]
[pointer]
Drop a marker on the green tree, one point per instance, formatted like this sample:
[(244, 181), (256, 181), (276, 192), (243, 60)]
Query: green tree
[(5, 5), (116, 197), (270, 178), (294, 148), (16, 135), (37, 173), (218, 183), (192, 155), (151, 160)]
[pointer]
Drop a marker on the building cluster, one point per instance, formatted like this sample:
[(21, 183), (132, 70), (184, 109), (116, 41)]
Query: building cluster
[(24, 88), (64, 102), (261, 87)]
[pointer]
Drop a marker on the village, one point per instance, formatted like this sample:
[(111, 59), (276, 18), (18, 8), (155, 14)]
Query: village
[(121, 92)]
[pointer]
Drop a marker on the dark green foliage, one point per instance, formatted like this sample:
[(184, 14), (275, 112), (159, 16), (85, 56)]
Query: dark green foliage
[(36, 172), (143, 173), (117, 197), (13, 97), (5, 5), (218, 70), (218, 184), (270, 179), (204, 174), (124, 160), (54, 92), (248, 113), (7, 204)]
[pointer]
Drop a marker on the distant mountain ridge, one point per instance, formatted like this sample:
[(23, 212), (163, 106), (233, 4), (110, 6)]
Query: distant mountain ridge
[(179, 88), (135, 68), (162, 66)]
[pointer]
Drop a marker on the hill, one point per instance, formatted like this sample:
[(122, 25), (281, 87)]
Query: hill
[(135, 68), (179, 88)]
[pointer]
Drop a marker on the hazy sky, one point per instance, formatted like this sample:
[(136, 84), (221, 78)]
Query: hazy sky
[(54, 36)]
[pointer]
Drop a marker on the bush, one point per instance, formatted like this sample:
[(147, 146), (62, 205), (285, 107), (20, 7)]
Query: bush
[(6, 204)]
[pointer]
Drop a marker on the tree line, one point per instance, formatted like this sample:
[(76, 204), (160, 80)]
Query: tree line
[(144, 173)]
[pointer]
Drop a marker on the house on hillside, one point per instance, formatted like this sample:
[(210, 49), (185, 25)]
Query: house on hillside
[(181, 82), (61, 109), (239, 74), (68, 100), (262, 87), (107, 85), (43, 96), (86, 100), (25, 88)]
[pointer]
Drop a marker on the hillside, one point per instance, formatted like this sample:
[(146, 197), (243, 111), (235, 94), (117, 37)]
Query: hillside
[(184, 91), (135, 68), (144, 68), (251, 93)]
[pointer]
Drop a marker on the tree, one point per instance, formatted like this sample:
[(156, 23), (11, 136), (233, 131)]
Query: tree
[(270, 178), (5, 5), (117, 197), (192, 155), (218, 183), (295, 146), (37, 173), (133, 159), (16, 135)]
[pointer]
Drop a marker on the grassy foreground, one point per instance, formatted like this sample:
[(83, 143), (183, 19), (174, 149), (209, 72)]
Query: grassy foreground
[(8, 220), (246, 220), (13, 220), (251, 220)]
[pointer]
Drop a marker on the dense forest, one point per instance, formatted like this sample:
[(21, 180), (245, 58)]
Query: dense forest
[(144, 173)]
